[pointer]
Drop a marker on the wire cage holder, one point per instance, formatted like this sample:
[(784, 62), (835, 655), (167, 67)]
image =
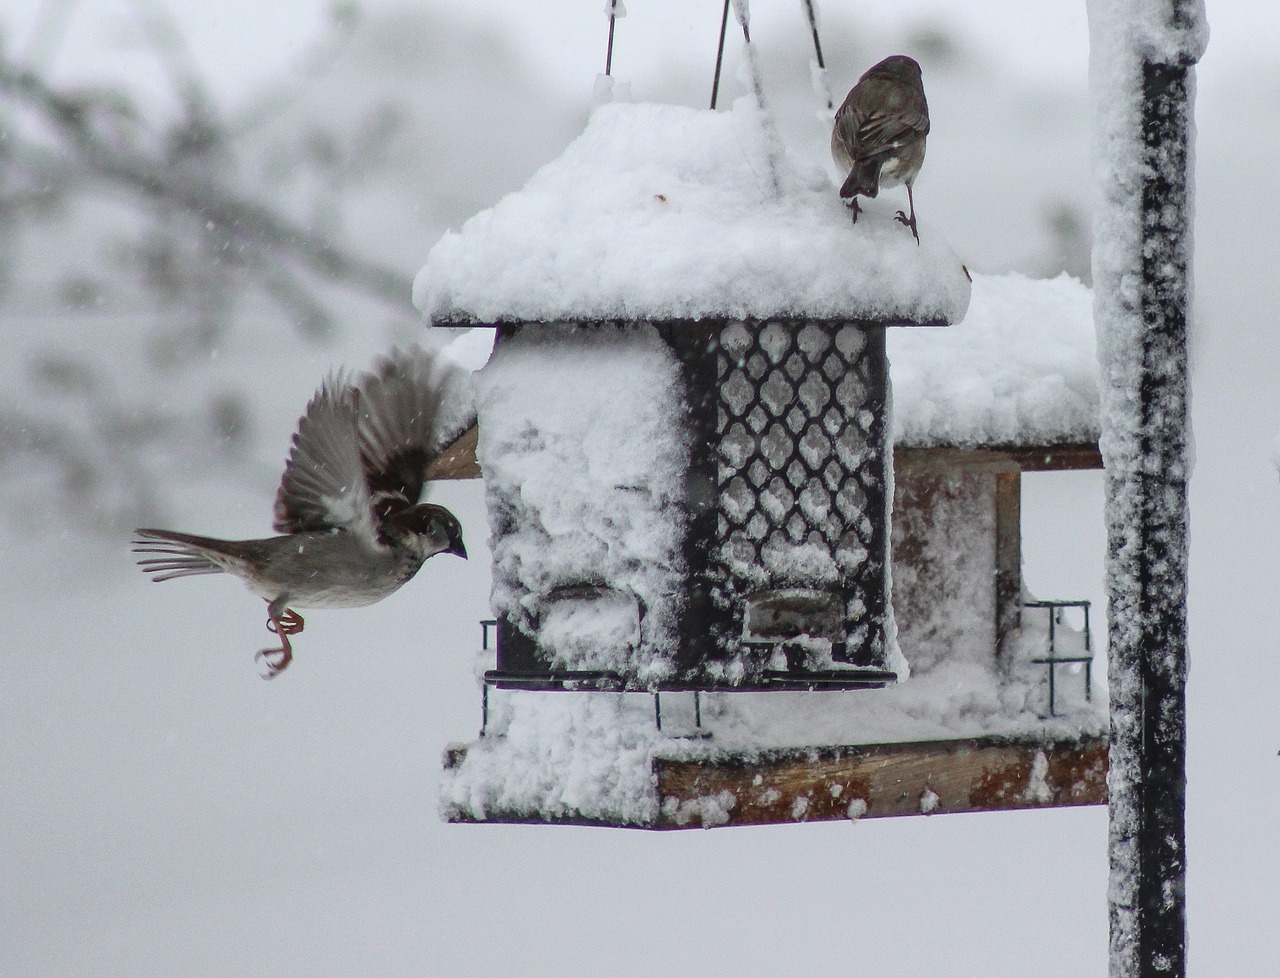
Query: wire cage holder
[(1053, 660)]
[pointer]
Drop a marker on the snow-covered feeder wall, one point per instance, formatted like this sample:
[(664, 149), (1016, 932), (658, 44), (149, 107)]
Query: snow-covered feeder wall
[(683, 428), (584, 453), (687, 504)]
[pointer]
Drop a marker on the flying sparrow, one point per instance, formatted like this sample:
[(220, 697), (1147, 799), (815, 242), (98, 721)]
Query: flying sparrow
[(354, 530), (880, 131)]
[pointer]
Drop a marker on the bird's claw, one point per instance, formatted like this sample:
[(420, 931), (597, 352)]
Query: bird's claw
[(854, 209), (901, 218), (274, 666), (287, 623)]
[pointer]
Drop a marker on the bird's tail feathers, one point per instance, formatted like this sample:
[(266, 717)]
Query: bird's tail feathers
[(173, 554), (863, 179)]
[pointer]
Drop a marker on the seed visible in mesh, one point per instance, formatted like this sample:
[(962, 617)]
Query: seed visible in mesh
[(813, 341), (852, 393), (736, 340), (737, 500), (851, 340), (775, 340), (833, 475), (737, 446), (796, 419), (777, 499), (797, 474), (815, 447), (776, 446), (796, 527), (777, 393), (737, 393), (815, 502), (851, 555), (815, 394), (851, 500), (796, 366)]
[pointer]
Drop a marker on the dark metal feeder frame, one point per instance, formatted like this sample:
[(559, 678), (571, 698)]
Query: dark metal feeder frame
[(787, 423)]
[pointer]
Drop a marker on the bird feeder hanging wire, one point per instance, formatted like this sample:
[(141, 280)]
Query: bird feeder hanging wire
[(724, 26), (817, 44), (810, 9), (613, 19), (813, 29)]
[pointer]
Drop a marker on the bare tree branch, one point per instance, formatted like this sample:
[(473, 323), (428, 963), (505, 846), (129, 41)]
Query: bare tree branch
[(73, 115)]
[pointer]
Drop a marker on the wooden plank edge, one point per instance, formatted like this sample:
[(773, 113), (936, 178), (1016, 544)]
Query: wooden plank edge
[(982, 774), (1025, 458), (882, 781), (457, 460)]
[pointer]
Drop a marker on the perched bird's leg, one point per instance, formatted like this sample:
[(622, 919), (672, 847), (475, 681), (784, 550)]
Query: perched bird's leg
[(910, 221), (854, 209), (281, 621)]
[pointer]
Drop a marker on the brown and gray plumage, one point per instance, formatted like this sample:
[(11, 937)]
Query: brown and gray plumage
[(348, 506), (880, 131)]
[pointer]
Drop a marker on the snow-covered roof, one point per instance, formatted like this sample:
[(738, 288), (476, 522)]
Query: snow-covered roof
[(1020, 370), (667, 212)]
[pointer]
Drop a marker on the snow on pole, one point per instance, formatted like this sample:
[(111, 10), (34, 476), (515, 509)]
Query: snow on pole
[(752, 78), (1142, 53)]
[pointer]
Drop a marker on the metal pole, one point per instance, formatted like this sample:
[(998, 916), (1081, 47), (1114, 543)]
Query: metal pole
[(1142, 266)]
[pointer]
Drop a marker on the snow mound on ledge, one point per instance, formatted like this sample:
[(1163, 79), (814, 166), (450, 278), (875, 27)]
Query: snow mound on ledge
[(557, 755), (667, 212), (1022, 369)]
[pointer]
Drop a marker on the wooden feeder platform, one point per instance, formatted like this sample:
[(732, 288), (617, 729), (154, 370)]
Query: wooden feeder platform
[(819, 784)]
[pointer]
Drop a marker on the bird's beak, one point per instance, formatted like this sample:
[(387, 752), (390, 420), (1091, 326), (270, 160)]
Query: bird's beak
[(459, 550)]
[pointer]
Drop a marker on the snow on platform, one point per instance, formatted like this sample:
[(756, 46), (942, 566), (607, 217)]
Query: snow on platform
[(668, 212), (597, 757)]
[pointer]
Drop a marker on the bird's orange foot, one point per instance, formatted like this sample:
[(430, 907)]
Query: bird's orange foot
[(901, 218), (290, 623), (275, 660)]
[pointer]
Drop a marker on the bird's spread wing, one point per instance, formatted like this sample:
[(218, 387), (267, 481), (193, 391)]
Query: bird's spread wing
[(324, 485), (397, 428)]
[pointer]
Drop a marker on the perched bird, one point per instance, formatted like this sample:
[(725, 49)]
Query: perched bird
[(354, 530), (880, 131)]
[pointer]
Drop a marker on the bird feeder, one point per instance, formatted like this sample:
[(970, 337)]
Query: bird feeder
[(715, 517), (685, 435)]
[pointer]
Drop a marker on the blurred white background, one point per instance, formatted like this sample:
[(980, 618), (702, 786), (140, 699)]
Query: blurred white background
[(163, 811)]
